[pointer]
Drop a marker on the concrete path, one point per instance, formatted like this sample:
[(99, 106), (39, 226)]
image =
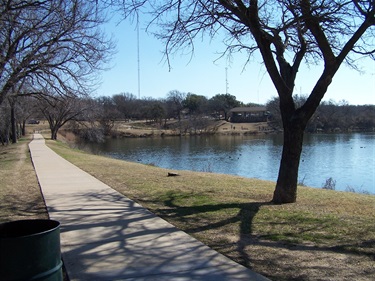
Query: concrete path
[(106, 236)]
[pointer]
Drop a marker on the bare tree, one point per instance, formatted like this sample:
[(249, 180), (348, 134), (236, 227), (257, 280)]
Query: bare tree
[(287, 33), (22, 106), (26, 108), (174, 103), (124, 103), (58, 110), (54, 44), (107, 114)]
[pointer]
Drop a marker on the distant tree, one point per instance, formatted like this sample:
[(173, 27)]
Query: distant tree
[(273, 106), (197, 107), (175, 103), (53, 46), (25, 109), (156, 112), (86, 124), (124, 103), (251, 104), (59, 110), (107, 114), (366, 118), (331, 117), (287, 33), (222, 103), (195, 103)]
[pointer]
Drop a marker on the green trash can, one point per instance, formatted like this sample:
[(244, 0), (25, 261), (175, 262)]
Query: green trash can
[(30, 250)]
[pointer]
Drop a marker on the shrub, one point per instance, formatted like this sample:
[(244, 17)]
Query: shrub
[(330, 184)]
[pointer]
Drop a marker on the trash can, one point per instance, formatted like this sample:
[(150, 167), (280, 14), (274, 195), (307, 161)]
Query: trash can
[(30, 250)]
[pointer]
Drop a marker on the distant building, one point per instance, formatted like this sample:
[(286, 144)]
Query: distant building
[(248, 114)]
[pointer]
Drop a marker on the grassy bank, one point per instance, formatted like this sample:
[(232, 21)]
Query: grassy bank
[(325, 235), (20, 196)]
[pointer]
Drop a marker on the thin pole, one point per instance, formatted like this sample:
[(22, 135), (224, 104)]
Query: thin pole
[(139, 60)]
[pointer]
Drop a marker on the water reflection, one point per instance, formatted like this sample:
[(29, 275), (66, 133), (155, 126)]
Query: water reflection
[(347, 158)]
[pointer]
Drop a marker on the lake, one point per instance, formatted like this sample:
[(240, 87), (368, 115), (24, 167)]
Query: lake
[(349, 159)]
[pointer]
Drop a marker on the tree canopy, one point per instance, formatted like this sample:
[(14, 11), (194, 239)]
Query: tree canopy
[(224, 103)]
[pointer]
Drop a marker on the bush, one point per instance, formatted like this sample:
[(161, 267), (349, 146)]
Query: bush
[(330, 184)]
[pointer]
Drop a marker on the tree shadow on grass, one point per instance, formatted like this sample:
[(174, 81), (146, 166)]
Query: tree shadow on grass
[(104, 225), (245, 217), (247, 238), (18, 207)]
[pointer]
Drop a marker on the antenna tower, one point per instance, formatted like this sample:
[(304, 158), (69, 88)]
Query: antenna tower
[(138, 60)]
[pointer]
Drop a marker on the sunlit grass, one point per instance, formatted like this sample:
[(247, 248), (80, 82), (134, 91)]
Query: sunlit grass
[(20, 196)]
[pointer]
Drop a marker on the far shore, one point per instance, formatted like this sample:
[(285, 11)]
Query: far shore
[(222, 127)]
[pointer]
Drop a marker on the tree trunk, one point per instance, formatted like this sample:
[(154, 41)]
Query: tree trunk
[(23, 128), (286, 186), (13, 124), (54, 135), (54, 130)]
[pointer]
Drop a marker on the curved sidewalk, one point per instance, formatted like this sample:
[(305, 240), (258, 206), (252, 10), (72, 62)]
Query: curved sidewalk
[(106, 236)]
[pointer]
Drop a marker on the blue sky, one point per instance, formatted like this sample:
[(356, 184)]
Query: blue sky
[(203, 74)]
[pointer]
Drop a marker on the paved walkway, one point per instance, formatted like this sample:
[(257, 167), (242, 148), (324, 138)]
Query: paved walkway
[(106, 236)]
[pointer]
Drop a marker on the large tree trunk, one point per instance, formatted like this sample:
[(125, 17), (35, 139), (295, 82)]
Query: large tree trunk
[(54, 134), (13, 123), (54, 129), (286, 186)]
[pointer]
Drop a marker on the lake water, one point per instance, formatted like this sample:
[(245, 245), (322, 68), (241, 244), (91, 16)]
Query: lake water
[(347, 158)]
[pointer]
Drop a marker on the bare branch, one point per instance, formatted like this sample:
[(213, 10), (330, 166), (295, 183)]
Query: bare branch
[(55, 42)]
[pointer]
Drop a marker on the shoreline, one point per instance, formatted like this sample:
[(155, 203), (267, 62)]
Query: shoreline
[(141, 129), (222, 127)]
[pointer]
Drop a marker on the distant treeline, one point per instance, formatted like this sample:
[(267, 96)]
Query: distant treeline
[(332, 117), (191, 112), (97, 115)]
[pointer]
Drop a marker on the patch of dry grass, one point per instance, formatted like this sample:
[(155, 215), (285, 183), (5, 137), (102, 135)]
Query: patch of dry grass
[(328, 234), (20, 196)]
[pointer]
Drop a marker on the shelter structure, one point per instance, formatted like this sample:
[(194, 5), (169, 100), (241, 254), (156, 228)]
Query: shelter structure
[(248, 114)]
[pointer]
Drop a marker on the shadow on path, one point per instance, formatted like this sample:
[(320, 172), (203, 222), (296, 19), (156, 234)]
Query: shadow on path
[(107, 233)]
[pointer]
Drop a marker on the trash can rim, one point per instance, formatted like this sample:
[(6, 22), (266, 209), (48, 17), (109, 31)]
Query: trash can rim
[(7, 229)]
